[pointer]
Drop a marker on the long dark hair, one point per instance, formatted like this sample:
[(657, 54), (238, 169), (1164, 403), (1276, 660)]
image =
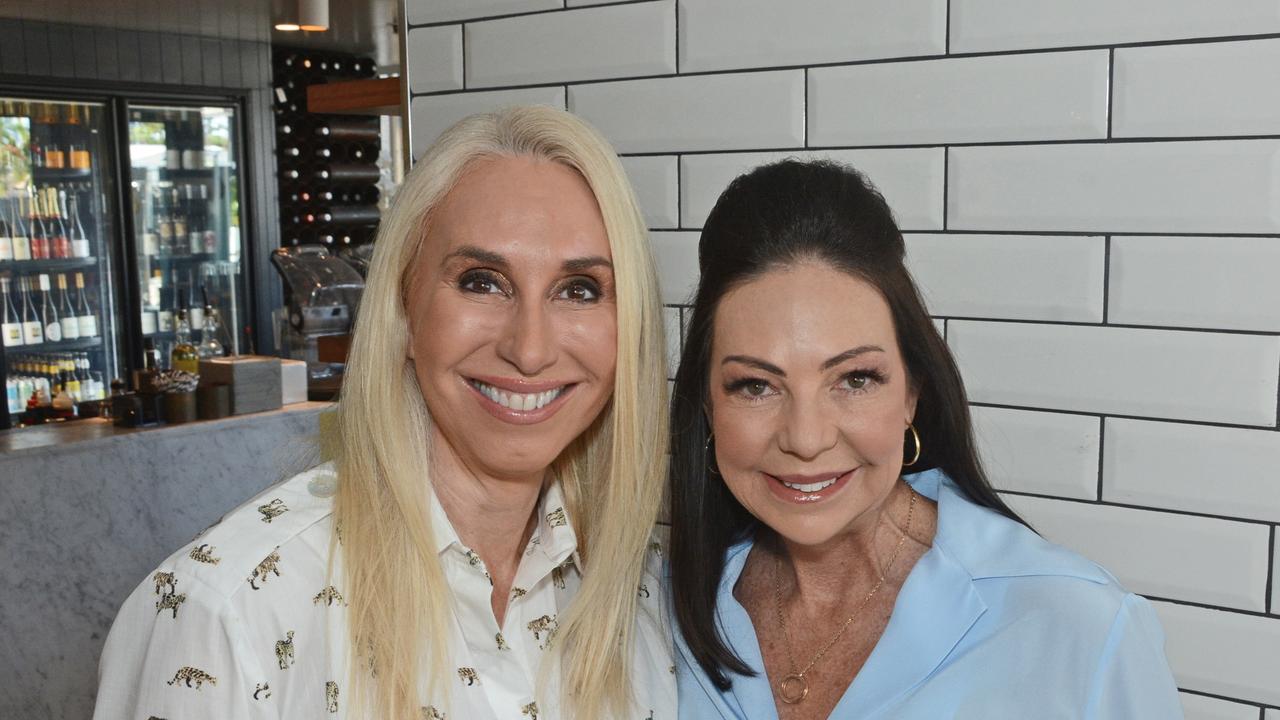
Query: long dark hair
[(773, 217)]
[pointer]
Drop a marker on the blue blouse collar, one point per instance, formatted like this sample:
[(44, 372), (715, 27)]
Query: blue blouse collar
[(937, 605)]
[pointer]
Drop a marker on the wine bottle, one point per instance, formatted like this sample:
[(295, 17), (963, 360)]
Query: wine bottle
[(164, 220), (79, 238), (351, 215), (349, 130), (10, 321), (67, 314), (32, 331), (349, 173), (85, 315), (21, 242), (60, 243), (39, 237), (49, 311), (6, 239), (195, 308), (164, 303)]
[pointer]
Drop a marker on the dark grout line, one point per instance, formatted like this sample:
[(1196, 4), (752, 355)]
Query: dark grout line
[(1144, 508), (1120, 416)]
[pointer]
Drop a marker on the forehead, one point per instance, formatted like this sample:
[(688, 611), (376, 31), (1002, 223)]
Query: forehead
[(519, 206), (802, 314)]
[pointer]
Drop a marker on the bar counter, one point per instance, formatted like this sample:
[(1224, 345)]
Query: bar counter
[(88, 509)]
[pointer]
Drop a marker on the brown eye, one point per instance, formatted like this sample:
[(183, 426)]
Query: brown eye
[(580, 291), (756, 388), (480, 283)]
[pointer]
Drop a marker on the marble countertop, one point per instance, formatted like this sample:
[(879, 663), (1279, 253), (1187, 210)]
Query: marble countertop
[(96, 430)]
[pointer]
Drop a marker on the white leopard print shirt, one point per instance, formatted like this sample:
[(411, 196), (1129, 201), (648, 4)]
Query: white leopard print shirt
[(243, 622)]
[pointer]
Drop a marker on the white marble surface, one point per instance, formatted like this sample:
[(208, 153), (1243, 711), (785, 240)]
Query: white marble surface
[(82, 523)]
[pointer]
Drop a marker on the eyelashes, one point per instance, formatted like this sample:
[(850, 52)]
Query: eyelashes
[(758, 389), (579, 289)]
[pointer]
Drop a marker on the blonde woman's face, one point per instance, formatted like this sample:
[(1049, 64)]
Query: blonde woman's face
[(809, 401), (513, 317)]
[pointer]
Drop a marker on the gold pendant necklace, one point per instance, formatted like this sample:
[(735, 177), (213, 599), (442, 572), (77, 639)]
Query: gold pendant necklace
[(793, 687)]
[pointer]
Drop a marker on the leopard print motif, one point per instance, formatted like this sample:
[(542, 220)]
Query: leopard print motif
[(264, 570), (544, 625), (531, 710), (502, 642), (329, 595), (431, 713), (262, 691), (170, 602), (189, 674), (204, 554), (556, 518), (468, 676), (165, 580), (272, 510), (284, 651), (331, 696), (517, 592)]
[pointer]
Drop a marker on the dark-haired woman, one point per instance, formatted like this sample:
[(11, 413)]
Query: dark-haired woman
[(811, 579)]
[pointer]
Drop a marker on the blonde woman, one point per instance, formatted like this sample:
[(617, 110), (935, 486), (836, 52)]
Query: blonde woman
[(480, 545)]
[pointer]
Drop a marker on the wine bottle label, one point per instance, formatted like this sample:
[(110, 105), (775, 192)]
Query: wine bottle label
[(53, 332), (89, 326), (197, 318), (70, 328), (12, 334), (80, 248), (196, 241), (32, 334), (150, 244), (21, 248), (164, 320), (6, 248)]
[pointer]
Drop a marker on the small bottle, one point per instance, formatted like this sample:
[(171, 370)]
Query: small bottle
[(210, 347), (184, 355)]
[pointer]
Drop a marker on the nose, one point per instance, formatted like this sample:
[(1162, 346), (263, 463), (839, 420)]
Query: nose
[(528, 341), (806, 430)]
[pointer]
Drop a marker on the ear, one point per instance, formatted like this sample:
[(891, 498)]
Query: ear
[(913, 396)]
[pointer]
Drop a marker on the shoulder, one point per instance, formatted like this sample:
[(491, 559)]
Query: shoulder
[(292, 517)]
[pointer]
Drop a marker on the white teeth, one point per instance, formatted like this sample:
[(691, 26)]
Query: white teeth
[(521, 402), (811, 487)]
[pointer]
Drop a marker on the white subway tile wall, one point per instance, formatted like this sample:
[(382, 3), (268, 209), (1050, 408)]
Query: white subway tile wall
[(435, 58), (1040, 96), (1022, 277), (1091, 194), (637, 39)]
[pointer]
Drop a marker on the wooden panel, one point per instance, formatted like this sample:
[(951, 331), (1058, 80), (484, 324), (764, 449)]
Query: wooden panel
[(375, 96)]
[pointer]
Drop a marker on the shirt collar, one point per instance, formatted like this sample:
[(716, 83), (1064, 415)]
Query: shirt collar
[(553, 536)]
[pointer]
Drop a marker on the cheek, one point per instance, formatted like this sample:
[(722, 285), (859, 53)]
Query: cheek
[(592, 338)]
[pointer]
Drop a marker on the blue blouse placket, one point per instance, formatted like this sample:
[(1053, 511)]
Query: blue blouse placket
[(936, 606)]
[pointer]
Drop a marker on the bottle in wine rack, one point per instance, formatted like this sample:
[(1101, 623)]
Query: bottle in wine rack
[(49, 311), (10, 320), (66, 313), (349, 130), (60, 240), (39, 235), (6, 239), (349, 173), (21, 238), (32, 330), (87, 318), (79, 238)]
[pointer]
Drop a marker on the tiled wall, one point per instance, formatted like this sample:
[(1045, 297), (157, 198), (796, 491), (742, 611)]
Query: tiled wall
[(1091, 191)]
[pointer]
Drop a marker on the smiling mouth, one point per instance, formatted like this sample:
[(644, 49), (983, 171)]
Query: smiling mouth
[(812, 487), (519, 402)]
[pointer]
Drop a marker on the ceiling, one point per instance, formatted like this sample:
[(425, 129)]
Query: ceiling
[(363, 27)]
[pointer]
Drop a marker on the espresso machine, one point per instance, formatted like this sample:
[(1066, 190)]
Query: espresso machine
[(322, 295)]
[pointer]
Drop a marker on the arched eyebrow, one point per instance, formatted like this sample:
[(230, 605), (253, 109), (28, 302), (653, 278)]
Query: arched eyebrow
[(850, 354), (769, 367), (488, 257)]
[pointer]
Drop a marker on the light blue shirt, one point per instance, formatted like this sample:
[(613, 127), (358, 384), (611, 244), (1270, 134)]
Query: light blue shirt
[(993, 622)]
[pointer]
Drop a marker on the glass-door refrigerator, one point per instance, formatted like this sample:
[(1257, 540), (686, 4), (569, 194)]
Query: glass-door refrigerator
[(120, 232), (187, 260), (58, 318)]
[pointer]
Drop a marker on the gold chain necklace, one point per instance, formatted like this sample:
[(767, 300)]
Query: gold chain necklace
[(793, 688)]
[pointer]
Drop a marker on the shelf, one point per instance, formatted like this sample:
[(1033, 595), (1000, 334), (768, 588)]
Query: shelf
[(373, 96), (51, 265), (52, 347), (180, 259), (55, 174)]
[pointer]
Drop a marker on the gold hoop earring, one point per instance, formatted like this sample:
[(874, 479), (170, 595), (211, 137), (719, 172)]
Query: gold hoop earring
[(914, 458), (709, 456)]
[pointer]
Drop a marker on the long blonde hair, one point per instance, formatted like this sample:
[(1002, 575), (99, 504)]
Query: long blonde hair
[(612, 476)]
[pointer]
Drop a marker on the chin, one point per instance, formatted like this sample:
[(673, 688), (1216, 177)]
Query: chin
[(807, 534)]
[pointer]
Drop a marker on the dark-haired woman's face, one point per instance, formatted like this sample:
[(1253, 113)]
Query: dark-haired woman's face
[(809, 400)]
